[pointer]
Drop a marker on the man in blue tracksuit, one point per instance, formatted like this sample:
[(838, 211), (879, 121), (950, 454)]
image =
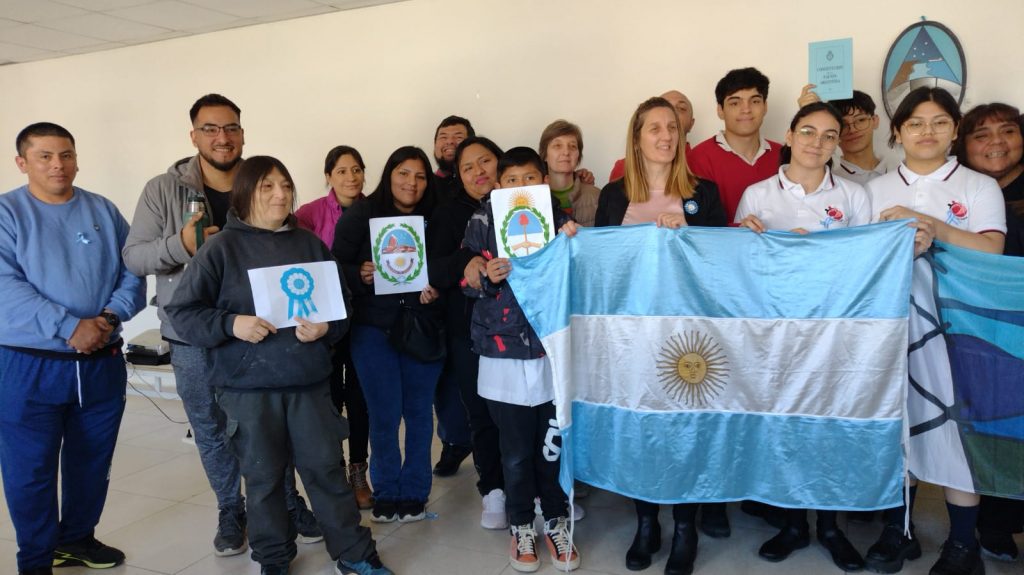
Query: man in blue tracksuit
[(62, 375)]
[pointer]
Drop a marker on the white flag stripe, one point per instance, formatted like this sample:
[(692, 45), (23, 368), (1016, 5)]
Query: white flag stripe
[(777, 366)]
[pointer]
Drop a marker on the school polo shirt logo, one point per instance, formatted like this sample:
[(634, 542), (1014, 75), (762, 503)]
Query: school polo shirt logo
[(398, 253), (956, 214), (832, 214)]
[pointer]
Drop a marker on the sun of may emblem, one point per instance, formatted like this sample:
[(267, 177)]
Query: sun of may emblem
[(525, 229), (693, 368)]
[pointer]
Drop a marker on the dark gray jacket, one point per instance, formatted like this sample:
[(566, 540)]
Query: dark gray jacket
[(215, 289)]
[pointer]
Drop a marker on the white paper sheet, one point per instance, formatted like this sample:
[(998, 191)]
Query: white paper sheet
[(523, 221), (399, 254), (311, 291)]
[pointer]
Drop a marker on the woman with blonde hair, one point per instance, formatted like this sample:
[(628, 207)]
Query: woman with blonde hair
[(659, 188)]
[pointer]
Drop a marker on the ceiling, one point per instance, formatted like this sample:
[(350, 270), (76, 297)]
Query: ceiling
[(40, 29)]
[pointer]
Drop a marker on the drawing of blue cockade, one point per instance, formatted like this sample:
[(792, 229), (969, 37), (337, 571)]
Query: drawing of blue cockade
[(298, 285)]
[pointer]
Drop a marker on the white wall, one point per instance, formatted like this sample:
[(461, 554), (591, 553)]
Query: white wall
[(382, 77)]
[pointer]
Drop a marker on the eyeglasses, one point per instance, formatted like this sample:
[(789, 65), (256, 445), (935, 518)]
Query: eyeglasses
[(211, 130), (808, 136), (857, 124), (915, 127)]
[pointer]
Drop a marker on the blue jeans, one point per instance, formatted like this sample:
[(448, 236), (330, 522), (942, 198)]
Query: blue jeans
[(57, 412), (396, 387)]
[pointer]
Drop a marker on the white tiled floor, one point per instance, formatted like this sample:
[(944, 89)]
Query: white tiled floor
[(161, 512)]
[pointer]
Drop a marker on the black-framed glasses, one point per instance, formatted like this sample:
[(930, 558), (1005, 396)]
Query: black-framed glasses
[(211, 130)]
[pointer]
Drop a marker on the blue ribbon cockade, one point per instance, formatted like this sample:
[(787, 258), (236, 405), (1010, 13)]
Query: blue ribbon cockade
[(297, 284)]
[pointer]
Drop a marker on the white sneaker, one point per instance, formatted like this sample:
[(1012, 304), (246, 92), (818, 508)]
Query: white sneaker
[(494, 516), (577, 511)]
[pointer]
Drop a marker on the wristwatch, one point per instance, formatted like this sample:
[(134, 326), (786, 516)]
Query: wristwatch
[(111, 318)]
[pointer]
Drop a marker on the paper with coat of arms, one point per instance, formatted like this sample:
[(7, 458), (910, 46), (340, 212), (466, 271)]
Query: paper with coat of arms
[(399, 254), (523, 220), (310, 290)]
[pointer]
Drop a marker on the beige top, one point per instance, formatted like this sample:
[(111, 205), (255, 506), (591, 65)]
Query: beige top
[(647, 212)]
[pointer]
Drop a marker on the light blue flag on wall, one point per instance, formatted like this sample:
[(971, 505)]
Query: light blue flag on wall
[(703, 364)]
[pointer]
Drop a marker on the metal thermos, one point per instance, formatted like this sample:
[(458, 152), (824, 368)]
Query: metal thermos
[(193, 206)]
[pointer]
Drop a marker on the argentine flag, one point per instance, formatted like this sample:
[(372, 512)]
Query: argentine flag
[(713, 364)]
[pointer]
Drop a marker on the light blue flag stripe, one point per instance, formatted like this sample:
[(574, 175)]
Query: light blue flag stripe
[(789, 461), (729, 273), (1001, 276)]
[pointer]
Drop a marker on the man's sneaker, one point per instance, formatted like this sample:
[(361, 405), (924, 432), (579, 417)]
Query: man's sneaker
[(998, 545), (577, 510), (274, 570), (384, 512), (230, 538), (36, 571), (360, 487), (369, 566), (556, 535), (87, 553), (305, 522), (451, 458), (522, 549), (891, 550), (957, 559), (410, 511), (494, 516)]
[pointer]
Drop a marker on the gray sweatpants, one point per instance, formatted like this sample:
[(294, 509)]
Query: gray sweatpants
[(267, 428)]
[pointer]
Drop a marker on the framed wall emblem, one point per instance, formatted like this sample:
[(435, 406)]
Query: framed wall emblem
[(925, 54)]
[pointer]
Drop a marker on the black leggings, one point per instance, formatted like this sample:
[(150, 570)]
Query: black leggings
[(346, 393)]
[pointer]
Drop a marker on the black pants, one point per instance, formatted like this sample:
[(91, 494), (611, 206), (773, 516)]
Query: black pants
[(347, 394), (681, 512), (1000, 515), (464, 366), (267, 428), (797, 518), (530, 450)]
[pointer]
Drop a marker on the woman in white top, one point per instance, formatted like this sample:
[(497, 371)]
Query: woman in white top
[(964, 208), (805, 197)]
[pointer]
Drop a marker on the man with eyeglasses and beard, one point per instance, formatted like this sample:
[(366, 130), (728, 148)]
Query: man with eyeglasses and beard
[(176, 212)]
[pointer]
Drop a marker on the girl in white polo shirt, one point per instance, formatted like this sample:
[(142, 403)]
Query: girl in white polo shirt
[(963, 208), (805, 197)]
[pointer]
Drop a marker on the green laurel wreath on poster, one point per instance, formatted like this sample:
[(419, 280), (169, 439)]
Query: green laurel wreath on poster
[(382, 270), (508, 219)]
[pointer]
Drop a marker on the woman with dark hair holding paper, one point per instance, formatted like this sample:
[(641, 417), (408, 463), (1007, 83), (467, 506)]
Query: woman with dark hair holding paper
[(397, 385), (272, 383), (658, 188)]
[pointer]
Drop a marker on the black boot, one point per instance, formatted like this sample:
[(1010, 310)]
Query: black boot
[(646, 542), (714, 520), (787, 541), (684, 550)]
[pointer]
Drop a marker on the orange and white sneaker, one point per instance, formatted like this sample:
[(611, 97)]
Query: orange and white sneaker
[(522, 549), (556, 535)]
